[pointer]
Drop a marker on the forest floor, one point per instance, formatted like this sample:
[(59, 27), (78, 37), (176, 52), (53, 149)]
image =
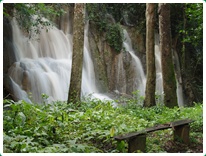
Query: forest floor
[(171, 146), (177, 147), (90, 128)]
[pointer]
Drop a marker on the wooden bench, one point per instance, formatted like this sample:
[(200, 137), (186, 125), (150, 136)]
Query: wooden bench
[(137, 140)]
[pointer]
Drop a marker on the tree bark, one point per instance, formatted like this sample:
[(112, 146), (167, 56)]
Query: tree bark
[(169, 82), (150, 56), (77, 56)]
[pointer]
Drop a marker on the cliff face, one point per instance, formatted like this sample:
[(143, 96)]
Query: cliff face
[(115, 71), (8, 58), (8, 55)]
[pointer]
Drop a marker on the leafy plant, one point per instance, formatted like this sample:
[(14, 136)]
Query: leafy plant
[(114, 37), (30, 16), (61, 128)]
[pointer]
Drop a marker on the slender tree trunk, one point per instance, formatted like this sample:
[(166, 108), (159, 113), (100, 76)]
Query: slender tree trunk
[(77, 56), (150, 56), (169, 82), (183, 43)]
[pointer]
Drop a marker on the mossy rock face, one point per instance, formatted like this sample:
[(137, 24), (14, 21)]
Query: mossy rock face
[(105, 59), (111, 66), (100, 54)]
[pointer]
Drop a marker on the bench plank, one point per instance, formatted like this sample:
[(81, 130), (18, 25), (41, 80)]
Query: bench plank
[(181, 122), (147, 130), (129, 135), (158, 127)]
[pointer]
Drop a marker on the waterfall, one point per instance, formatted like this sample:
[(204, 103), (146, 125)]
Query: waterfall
[(88, 75), (159, 83), (139, 79), (178, 76), (43, 66), (121, 85)]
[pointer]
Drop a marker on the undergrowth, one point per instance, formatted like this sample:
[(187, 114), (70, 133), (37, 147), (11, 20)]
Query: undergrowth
[(87, 127)]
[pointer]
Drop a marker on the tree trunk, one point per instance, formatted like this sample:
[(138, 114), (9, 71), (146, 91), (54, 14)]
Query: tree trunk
[(169, 82), (77, 56), (150, 56), (183, 43)]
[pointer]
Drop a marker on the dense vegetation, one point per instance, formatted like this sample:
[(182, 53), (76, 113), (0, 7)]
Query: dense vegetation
[(90, 126)]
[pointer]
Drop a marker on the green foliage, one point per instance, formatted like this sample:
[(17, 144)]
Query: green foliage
[(97, 13), (194, 32), (61, 128), (114, 37), (121, 146), (132, 14), (30, 16), (193, 38)]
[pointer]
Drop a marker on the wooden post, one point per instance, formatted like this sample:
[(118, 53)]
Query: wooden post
[(181, 130), (137, 143), (182, 133)]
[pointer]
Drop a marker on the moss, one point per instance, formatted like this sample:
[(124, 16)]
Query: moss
[(114, 37)]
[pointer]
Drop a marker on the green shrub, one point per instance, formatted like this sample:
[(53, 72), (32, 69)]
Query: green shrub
[(114, 37), (89, 127)]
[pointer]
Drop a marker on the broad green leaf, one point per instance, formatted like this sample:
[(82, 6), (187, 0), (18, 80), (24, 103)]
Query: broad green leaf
[(112, 131)]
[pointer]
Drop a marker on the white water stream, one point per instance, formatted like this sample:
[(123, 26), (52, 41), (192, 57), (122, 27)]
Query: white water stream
[(139, 79)]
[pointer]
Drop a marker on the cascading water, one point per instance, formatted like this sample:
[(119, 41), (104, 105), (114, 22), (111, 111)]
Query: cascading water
[(121, 85), (88, 75), (159, 83), (44, 66), (139, 79), (178, 79)]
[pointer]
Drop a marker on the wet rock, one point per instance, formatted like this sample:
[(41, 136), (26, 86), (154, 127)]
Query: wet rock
[(8, 48)]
